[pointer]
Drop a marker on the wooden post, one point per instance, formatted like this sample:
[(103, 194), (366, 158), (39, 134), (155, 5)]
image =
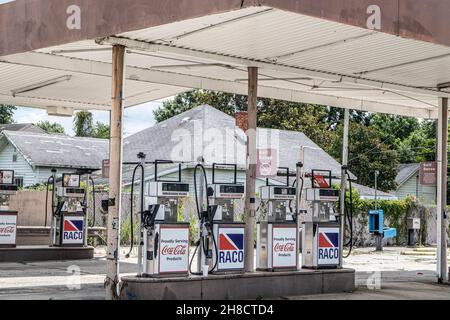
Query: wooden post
[(442, 191), (251, 169), (115, 173)]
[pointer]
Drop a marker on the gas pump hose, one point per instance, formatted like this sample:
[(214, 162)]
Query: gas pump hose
[(93, 201), (46, 201), (202, 220), (131, 206), (349, 216)]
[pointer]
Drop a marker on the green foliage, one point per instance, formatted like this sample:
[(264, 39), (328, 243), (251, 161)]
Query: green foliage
[(83, 124), (101, 130), (50, 127), (125, 231), (7, 113)]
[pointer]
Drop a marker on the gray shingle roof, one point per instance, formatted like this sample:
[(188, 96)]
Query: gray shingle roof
[(55, 150), (180, 138), (404, 171), (29, 127)]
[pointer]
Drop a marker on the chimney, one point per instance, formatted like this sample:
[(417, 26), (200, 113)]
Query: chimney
[(242, 120)]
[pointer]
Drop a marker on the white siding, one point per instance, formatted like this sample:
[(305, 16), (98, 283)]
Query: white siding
[(410, 187), (21, 167)]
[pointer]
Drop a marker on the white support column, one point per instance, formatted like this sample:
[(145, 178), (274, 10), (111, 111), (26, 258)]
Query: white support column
[(251, 169), (115, 174), (343, 183), (442, 191)]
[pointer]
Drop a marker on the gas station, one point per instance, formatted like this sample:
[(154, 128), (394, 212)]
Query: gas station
[(370, 55)]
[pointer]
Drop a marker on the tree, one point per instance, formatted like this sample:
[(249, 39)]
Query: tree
[(101, 130), (83, 124), (6, 113), (49, 127), (225, 102), (368, 153)]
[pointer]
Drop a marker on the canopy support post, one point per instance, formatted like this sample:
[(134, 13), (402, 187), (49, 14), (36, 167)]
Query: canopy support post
[(115, 174)]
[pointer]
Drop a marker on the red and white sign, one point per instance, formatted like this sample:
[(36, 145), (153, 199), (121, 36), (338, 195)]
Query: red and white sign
[(8, 230), (173, 250), (267, 163), (284, 246)]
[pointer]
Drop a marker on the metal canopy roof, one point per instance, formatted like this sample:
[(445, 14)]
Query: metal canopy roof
[(300, 58)]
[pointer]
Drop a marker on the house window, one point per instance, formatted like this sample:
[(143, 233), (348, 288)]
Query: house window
[(14, 158), (18, 181)]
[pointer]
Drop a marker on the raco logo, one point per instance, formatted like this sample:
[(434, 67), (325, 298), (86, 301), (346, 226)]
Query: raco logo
[(287, 247), (177, 250)]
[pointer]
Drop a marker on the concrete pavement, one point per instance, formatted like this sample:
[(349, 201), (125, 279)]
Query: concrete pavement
[(387, 275)]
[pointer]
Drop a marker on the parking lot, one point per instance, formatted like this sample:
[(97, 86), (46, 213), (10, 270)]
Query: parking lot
[(395, 273)]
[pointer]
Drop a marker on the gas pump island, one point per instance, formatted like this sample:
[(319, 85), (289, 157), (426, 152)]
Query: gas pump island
[(276, 230), (8, 218), (320, 228)]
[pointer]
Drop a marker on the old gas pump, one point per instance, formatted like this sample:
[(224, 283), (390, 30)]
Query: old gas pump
[(228, 232), (166, 238), (8, 218), (69, 212), (277, 233), (320, 228)]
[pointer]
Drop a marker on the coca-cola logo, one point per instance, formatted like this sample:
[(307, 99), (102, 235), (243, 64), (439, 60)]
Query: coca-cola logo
[(286, 247), (8, 230), (174, 250)]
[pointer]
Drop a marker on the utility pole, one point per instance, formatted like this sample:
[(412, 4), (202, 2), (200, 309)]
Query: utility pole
[(343, 183), (115, 173), (379, 237), (251, 169)]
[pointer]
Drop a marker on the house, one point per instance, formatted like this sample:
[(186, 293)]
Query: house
[(369, 193), (408, 184), (209, 134), (32, 155)]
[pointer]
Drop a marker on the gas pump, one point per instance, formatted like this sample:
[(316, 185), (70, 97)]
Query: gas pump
[(276, 229), (165, 239), (8, 218), (228, 232), (68, 226), (320, 228)]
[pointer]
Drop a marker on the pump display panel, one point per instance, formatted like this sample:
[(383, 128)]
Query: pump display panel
[(71, 180), (6, 176)]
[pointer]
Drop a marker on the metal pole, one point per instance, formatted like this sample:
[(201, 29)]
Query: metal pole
[(442, 191), (86, 222), (250, 209), (379, 237), (115, 173), (343, 183)]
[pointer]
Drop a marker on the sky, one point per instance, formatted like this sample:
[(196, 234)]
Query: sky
[(136, 118)]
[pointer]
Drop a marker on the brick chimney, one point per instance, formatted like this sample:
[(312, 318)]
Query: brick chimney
[(242, 120)]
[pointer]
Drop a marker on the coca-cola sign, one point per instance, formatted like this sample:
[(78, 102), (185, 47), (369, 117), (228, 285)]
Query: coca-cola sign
[(176, 250), (8, 229), (173, 252), (284, 246)]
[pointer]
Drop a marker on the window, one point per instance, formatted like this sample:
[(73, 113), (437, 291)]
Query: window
[(14, 158), (18, 181)]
